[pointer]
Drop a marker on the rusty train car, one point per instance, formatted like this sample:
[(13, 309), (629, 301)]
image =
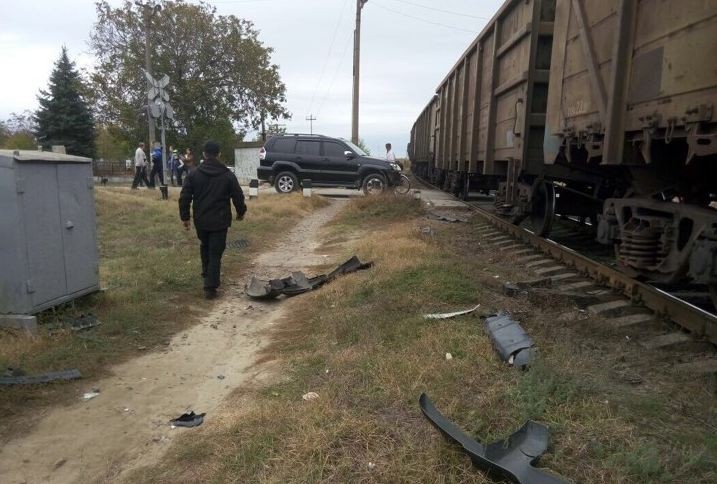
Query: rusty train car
[(602, 111)]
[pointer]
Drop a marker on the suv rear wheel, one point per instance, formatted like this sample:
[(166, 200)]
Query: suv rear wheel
[(374, 184), (286, 182)]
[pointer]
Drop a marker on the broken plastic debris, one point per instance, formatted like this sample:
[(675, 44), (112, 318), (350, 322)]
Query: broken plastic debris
[(190, 419), (310, 396), (511, 458), (510, 340), (371, 466), (450, 315), (43, 378), (445, 218), (449, 356), (298, 283), (91, 394)]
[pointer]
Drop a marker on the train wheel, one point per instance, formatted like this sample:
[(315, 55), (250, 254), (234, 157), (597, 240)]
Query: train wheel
[(543, 207)]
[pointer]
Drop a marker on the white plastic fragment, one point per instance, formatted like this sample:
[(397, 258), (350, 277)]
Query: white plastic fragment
[(90, 395), (450, 315), (449, 356), (310, 396), (371, 466)]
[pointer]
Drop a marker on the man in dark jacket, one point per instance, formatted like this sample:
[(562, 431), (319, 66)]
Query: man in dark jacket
[(209, 188)]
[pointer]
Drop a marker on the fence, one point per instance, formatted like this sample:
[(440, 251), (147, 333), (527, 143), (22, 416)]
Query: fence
[(110, 168)]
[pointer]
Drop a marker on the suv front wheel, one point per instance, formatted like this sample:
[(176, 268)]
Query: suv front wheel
[(286, 182), (374, 184)]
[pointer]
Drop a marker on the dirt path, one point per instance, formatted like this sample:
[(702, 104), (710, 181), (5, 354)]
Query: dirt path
[(126, 426)]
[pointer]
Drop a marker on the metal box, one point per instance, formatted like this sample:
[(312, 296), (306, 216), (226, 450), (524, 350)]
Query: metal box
[(48, 229)]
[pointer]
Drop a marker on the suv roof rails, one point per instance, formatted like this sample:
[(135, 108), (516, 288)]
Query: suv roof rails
[(304, 134)]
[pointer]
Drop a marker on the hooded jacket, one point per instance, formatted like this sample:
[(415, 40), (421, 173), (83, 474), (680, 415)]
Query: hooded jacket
[(208, 190)]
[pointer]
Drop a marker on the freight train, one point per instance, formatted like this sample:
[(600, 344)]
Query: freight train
[(602, 111)]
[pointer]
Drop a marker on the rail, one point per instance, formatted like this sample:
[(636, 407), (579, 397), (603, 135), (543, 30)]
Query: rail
[(699, 322)]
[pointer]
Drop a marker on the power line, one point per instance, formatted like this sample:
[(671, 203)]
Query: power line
[(336, 73), (328, 55), (441, 10), (452, 27)]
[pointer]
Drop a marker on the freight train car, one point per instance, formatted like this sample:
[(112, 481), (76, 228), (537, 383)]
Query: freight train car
[(601, 110)]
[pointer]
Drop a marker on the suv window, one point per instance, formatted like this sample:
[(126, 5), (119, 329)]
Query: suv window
[(334, 150), (310, 148), (283, 145)]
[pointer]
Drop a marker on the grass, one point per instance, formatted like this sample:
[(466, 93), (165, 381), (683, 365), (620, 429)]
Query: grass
[(362, 345), (150, 267)]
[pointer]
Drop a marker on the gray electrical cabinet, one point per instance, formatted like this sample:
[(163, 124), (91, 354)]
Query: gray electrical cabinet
[(48, 253)]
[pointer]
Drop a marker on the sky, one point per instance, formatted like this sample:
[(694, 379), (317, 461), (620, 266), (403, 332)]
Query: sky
[(407, 47)]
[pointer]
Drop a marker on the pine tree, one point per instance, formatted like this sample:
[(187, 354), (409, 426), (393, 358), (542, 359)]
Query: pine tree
[(64, 117)]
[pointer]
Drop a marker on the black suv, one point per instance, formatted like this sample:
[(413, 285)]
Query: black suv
[(288, 159)]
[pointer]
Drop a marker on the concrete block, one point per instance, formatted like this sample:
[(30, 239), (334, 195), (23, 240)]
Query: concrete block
[(19, 321)]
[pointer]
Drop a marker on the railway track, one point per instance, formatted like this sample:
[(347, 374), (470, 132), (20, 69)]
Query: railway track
[(574, 262)]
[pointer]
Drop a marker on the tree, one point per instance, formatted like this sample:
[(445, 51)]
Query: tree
[(64, 117), (16, 133), (362, 144), (221, 75)]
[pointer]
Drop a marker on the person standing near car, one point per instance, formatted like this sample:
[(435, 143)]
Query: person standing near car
[(390, 157), (140, 163), (209, 190)]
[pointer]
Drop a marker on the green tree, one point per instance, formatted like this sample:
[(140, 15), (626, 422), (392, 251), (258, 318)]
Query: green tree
[(362, 144), (111, 145), (221, 75), (16, 133), (64, 117)]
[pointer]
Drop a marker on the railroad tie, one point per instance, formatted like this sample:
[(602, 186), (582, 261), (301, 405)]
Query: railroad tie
[(665, 340), (528, 258), (576, 285), (608, 306), (497, 238), (504, 242), (516, 253), (706, 366), (511, 247), (539, 262), (631, 320), (546, 270), (562, 277)]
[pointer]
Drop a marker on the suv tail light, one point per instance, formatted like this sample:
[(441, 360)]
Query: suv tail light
[(262, 153)]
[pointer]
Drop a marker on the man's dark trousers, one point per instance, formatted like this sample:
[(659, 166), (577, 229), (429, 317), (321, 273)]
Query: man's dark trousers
[(140, 177), (211, 249), (157, 170)]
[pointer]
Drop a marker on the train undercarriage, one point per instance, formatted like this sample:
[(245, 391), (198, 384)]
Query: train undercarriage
[(667, 237)]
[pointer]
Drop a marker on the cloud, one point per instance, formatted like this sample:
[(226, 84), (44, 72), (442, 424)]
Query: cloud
[(402, 59)]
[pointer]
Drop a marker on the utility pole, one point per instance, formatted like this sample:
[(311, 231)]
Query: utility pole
[(311, 120), (357, 63), (148, 10)]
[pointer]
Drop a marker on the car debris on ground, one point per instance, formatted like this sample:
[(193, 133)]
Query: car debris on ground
[(451, 315), (297, 283), (510, 340), (512, 458), (190, 419), (446, 218), (310, 396), (95, 392), (17, 377)]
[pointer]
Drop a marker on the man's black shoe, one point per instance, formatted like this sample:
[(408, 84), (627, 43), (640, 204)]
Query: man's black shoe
[(210, 294)]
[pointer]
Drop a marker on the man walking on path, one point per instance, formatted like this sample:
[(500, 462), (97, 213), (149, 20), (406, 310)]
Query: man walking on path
[(209, 189), (140, 163)]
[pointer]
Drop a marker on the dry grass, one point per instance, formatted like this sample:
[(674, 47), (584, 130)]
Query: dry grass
[(362, 345), (150, 267)]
